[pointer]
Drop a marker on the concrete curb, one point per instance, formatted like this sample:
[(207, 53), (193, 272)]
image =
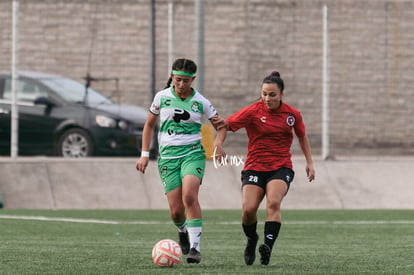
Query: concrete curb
[(113, 183)]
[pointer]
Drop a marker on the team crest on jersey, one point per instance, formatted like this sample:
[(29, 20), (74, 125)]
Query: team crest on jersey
[(195, 107), (263, 119), (290, 120)]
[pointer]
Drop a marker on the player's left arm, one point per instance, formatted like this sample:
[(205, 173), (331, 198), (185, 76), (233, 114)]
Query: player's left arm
[(218, 122), (221, 127), (300, 132), (221, 135), (305, 146)]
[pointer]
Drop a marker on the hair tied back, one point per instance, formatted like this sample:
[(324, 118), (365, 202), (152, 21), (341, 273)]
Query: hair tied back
[(275, 73)]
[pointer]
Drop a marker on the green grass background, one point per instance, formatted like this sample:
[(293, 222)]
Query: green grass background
[(310, 242)]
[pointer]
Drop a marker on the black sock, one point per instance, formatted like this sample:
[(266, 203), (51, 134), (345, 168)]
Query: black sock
[(250, 230), (271, 231)]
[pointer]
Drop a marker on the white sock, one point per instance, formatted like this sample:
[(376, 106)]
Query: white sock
[(195, 234)]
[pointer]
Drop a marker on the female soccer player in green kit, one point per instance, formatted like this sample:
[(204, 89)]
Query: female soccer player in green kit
[(182, 157)]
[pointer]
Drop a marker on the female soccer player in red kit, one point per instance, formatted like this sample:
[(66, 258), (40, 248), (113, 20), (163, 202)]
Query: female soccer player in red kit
[(269, 124)]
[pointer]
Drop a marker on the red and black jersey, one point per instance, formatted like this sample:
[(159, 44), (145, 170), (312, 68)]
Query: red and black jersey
[(270, 134)]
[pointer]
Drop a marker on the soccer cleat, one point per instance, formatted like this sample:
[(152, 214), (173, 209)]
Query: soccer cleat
[(265, 252), (194, 257), (184, 242), (250, 250)]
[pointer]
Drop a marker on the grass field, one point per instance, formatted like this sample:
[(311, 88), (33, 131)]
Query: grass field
[(120, 242)]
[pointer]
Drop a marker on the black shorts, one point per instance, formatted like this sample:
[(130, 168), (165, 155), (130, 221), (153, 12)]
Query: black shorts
[(261, 178)]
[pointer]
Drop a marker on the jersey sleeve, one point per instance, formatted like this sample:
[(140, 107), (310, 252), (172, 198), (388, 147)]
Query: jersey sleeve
[(299, 126), (155, 105), (209, 109), (240, 119)]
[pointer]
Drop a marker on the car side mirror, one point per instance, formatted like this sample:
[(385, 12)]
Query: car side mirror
[(43, 101)]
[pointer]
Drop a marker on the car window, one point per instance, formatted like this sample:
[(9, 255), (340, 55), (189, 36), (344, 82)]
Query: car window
[(26, 91), (74, 91)]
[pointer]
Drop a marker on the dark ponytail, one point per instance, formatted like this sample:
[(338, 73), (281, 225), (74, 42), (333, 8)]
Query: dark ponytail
[(182, 64)]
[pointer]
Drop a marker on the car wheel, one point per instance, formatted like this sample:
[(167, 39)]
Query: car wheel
[(75, 143)]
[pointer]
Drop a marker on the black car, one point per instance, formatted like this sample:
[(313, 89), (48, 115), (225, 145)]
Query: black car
[(62, 117)]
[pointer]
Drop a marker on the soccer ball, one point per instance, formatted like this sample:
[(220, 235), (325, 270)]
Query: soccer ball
[(166, 253)]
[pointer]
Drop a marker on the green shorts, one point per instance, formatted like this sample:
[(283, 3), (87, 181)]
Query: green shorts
[(172, 171)]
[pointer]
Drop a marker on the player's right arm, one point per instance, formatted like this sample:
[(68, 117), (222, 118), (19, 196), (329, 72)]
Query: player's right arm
[(142, 162)]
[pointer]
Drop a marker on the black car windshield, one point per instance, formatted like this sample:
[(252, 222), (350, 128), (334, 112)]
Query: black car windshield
[(74, 91)]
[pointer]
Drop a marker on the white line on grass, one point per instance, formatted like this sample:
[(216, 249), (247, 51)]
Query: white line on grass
[(57, 219)]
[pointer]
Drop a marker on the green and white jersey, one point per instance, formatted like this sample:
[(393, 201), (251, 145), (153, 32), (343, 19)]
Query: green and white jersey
[(180, 122)]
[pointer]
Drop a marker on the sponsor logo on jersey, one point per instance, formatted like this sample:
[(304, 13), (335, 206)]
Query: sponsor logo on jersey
[(180, 114), (167, 102)]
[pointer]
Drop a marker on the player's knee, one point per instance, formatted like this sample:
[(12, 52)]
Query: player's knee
[(177, 214), (273, 206), (249, 214), (190, 201)]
